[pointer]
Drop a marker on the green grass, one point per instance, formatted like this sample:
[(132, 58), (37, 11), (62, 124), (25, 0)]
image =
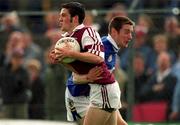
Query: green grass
[(132, 123)]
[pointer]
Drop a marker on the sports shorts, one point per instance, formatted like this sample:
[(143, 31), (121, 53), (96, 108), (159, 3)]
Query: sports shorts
[(105, 96), (76, 106)]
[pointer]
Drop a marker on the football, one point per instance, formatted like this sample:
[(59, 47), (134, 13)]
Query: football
[(72, 43)]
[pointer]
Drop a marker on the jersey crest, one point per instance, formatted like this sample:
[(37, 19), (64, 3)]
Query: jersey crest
[(110, 58)]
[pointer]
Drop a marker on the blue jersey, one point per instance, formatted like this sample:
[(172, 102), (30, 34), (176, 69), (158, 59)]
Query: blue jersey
[(111, 50)]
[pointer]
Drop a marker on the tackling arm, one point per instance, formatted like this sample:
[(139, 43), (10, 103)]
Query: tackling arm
[(93, 74)]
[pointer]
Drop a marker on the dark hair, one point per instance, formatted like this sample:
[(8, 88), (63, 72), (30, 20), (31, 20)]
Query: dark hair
[(75, 8), (118, 22)]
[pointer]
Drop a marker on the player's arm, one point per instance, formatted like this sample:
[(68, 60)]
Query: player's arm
[(87, 57), (93, 46), (55, 60), (93, 74), (82, 56), (52, 57), (80, 79)]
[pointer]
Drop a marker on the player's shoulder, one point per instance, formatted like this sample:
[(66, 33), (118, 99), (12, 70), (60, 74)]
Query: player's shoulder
[(105, 40), (108, 46), (91, 32), (84, 29), (89, 29)]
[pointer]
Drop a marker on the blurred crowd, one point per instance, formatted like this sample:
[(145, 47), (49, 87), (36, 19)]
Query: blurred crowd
[(31, 87)]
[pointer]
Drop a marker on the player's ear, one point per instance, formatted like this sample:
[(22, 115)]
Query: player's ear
[(113, 31), (76, 19)]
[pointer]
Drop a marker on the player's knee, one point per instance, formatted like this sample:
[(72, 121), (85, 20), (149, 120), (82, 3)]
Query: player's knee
[(123, 123)]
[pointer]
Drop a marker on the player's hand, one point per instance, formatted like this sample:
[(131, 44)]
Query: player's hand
[(158, 87), (94, 74), (52, 57), (61, 53)]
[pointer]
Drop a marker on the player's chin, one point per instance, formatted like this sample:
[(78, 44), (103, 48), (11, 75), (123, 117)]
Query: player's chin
[(62, 27), (124, 45), (60, 24)]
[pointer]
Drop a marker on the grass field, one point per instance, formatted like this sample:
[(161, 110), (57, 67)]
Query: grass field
[(131, 123)]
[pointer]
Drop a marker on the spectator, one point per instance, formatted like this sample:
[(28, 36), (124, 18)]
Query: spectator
[(146, 24), (15, 40), (36, 103), (32, 50), (14, 87), (172, 31), (160, 44), (160, 86), (140, 75), (9, 23)]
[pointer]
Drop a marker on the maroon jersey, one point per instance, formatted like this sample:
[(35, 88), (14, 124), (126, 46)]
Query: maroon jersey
[(95, 47)]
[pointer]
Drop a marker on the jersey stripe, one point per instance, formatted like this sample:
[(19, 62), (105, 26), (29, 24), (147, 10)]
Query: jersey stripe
[(105, 98)]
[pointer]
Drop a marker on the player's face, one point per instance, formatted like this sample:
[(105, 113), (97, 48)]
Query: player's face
[(65, 20), (124, 36)]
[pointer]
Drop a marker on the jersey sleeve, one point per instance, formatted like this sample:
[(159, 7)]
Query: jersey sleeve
[(91, 42)]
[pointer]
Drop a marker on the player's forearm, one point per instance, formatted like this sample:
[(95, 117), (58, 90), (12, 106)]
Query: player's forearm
[(87, 57), (93, 75), (80, 79)]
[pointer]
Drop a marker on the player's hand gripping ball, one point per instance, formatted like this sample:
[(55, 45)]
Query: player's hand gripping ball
[(72, 43)]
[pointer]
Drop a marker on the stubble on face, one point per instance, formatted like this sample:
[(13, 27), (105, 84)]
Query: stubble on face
[(126, 35), (64, 21)]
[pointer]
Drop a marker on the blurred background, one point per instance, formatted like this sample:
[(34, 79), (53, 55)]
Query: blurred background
[(148, 71)]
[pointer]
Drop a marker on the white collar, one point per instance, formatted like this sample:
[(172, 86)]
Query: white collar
[(78, 27), (116, 48), (162, 75)]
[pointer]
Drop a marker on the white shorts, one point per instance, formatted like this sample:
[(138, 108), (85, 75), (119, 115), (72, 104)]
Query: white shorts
[(105, 96), (76, 106)]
